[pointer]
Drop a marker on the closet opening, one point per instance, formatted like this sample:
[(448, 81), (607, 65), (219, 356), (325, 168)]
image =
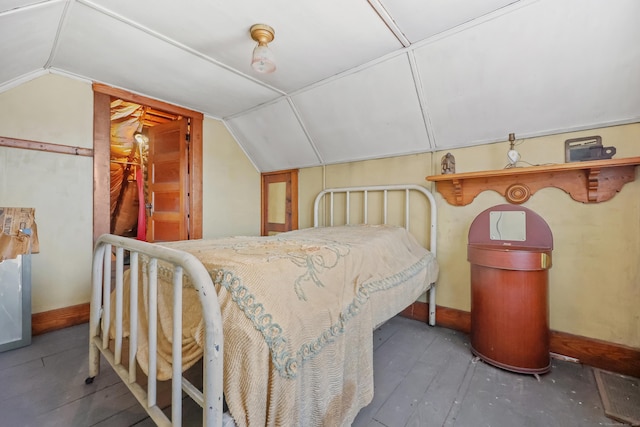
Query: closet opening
[(130, 199), (147, 167)]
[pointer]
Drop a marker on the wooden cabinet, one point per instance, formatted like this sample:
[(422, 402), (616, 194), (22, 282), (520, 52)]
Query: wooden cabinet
[(509, 291)]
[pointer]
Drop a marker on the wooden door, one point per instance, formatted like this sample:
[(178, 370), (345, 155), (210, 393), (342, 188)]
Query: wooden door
[(168, 179), (279, 202)]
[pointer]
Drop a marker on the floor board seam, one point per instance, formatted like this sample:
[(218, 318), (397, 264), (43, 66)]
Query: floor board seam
[(143, 416), (463, 389)]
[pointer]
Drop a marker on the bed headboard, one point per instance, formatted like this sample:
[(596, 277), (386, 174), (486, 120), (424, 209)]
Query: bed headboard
[(363, 193)]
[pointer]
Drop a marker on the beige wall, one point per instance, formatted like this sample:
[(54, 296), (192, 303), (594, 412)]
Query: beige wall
[(231, 186), (59, 110), (396, 170), (594, 281), (56, 110)]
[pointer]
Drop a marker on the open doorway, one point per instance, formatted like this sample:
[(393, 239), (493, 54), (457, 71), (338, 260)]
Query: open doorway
[(141, 190), (180, 161)]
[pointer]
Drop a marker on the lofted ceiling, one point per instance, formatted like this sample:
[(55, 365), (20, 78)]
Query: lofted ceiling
[(355, 79)]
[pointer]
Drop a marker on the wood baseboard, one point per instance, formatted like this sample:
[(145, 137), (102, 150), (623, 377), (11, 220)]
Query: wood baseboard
[(589, 351), (60, 318), (597, 353)]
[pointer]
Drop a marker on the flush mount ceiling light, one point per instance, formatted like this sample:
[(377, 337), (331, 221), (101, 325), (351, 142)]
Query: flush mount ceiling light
[(263, 60)]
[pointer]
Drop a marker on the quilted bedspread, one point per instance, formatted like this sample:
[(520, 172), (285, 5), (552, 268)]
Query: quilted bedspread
[(298, 313)]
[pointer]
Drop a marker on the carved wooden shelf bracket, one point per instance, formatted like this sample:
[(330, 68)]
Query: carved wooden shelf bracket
[(587, 182)]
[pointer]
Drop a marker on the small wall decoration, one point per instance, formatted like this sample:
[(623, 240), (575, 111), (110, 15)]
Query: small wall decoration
[(512, 154), (448, 164), (587, 148)]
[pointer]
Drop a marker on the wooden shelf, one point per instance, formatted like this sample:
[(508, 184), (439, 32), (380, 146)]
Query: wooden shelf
[(587, 182)]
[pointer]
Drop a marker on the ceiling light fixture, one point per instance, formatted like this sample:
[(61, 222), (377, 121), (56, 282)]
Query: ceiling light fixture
[(263, 60)]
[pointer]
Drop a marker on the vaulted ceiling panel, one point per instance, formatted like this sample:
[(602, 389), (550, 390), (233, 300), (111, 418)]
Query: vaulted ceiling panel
[(355, 79), (334, 35), (420, 19), (544, 68), (372, 113), (125, 56), (27, 36), (7, 5), (273, 137)]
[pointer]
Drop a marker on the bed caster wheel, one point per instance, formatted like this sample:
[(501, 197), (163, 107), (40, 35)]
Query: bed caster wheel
[(89, 380)]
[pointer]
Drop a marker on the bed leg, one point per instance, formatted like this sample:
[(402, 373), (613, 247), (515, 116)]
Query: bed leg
[(94, 362), (432, 305), (95, 313), (94, 352)]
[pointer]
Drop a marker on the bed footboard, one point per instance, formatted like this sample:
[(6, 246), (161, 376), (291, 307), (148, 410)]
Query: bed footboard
[(107, 277)]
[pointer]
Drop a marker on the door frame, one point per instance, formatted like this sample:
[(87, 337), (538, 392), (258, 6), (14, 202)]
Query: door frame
[(290, 177), (102, 95)]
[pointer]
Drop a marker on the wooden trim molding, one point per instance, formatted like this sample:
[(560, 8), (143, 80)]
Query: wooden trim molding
[(290, 178), (587, 182), (196, 180), (60, 318), (45, 146), (102, 95), (143, 100), (597, 353), (589, 351), (101, 164)]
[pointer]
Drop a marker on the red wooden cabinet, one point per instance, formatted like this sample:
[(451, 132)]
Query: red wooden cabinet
[(509, 289)]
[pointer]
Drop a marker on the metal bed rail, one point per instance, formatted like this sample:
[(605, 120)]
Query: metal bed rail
[(210, 399), (385, 190)]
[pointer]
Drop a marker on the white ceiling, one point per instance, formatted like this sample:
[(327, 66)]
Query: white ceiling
[(356, 79)]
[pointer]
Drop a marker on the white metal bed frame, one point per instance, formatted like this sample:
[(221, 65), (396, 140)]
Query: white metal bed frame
[(385, 189), (211, 397)]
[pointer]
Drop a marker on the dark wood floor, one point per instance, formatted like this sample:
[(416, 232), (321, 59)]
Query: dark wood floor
[(424, 376)]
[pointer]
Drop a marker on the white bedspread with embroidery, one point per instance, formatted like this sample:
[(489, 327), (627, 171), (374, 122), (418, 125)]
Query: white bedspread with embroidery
[(298, 312)]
